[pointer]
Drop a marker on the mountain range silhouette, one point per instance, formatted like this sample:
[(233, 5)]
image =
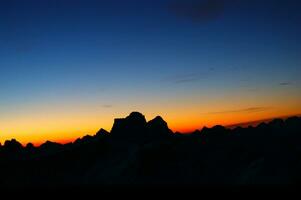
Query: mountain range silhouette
[(139, 152)]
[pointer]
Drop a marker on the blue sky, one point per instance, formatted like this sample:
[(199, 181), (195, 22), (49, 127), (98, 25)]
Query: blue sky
[(113, 53)]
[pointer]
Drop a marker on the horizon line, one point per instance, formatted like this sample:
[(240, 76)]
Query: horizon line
[(245, 124)]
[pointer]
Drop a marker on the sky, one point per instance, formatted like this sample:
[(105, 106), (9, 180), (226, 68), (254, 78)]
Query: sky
[(68, 68)]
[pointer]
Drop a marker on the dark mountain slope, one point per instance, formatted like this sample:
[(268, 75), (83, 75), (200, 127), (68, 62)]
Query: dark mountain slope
[(139, 152)]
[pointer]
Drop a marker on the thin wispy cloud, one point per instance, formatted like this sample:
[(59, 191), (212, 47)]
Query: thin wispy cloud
[(199, 11), (189, 77), (244, 110), (285, 83), (186, 78), (107, 106)]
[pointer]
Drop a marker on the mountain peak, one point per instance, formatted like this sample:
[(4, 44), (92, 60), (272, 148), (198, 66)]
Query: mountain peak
[(12, 144), (158, 121), (102, 132), (135, 128), (158, 127), (137, 117), (131, 127)]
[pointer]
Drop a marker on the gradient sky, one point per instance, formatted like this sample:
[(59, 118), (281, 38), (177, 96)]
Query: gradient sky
[(68, 68)]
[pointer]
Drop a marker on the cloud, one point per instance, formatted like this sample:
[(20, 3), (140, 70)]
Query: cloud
[(107, 106), (186, 78), (244, 110), (285, 83), (199, 10)]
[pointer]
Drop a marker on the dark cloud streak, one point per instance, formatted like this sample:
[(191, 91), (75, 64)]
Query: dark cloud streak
[(107, 106), (245, 110), (199, 11), (285, 83), (187, 78), (193, 79)]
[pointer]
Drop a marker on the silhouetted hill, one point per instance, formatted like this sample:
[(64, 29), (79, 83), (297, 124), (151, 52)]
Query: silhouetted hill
[(158, 128), (136, 129), (139, 152)]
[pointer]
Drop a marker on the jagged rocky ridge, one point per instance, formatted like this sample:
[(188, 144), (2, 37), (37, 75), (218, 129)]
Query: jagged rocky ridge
[(139, 152)]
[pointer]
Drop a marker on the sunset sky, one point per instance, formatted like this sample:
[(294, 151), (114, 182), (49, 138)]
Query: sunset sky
[(68, 68)]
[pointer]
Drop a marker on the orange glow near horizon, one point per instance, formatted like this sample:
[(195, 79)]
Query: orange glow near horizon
[(64, 122), (183, 125)]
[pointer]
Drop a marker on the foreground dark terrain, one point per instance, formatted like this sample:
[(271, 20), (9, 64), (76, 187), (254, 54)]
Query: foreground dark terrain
[(141, 152)]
